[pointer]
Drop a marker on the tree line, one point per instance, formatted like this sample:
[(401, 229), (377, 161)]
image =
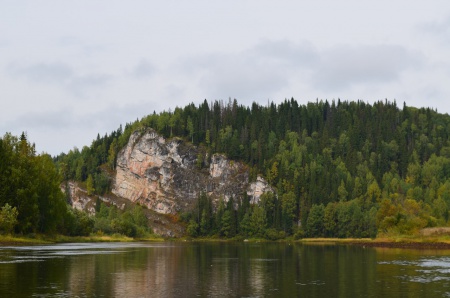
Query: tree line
[(30, 184), (340, 168), (31, 199)]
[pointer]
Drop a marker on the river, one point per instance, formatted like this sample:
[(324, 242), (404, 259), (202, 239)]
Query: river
[(216, 269)]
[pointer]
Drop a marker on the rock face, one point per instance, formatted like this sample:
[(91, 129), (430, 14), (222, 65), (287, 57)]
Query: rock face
[(163, 175), (258, 188), (80, 200)]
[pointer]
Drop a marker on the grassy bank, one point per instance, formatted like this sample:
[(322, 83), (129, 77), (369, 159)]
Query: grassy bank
[(438, 238), (422, 240), (417, 241), (7, 240)]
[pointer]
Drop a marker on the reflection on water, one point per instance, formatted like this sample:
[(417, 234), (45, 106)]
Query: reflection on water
[(425, 270), (221, 270)]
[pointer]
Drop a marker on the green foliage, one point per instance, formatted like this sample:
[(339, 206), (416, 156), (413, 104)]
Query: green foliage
[(245, 228), (192, 228), (315, 223), (30, 184), (257, 223), (226, 228), (90, 185), (289, 208), (95, 161), (8, 219), (79, 223), (51, 202), (370, 165), (131, 223)]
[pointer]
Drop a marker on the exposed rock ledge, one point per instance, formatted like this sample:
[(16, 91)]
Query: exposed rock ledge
[(80, 200), (161, 224), (162, 175)]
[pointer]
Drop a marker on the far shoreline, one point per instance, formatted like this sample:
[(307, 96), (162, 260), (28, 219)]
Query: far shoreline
[(406, 242), (16, 240)]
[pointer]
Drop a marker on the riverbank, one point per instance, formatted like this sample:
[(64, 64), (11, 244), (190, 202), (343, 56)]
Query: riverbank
[(10, 240), (413, 242), (402, 241), (397, 241)]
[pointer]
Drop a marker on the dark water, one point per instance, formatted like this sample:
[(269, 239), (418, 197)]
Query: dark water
[(221, 270)]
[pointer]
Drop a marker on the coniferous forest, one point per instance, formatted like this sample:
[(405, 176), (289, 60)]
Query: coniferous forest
[(339, 168)]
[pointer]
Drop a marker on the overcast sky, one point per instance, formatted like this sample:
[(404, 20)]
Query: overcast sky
[(72, 69)]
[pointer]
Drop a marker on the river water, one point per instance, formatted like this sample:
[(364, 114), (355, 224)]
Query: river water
[(192, 269)]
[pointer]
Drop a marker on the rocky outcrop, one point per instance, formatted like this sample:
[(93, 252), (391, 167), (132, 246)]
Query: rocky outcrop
[(258, 188), (80, 200), (163, 175), (78, 197)]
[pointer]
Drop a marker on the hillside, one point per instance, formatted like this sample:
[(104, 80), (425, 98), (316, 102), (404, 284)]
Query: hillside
[(339, 169), (334, 169)]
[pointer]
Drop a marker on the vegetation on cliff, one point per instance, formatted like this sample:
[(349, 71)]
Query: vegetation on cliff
[(340, 169)]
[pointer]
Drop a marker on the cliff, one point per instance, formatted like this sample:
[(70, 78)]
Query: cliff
[(164, 176)]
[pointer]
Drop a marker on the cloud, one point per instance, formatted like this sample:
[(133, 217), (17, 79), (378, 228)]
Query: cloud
[(81, 85), (43, 72), (287, 53), (59, 130), (79, 47), (275, 67), (174, 91), (143, 69), (61, 75), (438, 29), (241, 78), (54, 119), (256, 73), (342, 67)]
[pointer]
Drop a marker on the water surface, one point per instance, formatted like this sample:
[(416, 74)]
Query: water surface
[(186, 269)]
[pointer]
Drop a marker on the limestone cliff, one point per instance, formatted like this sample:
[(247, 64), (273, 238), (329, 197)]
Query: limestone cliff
[(78, 197), (160, 224), (163, 175)]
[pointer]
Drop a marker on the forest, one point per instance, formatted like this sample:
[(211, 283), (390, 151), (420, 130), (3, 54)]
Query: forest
[(32, 201), (339, 169)]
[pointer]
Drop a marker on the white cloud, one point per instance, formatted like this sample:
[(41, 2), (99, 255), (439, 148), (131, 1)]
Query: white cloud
[(81, 86), (61, 75), (55, 72), (286, 53), (273, 68), (345, 66), (143, 69), (45, 120), (439, 29), (256, 73)]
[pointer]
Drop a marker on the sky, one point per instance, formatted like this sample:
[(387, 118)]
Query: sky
[(70, 70)]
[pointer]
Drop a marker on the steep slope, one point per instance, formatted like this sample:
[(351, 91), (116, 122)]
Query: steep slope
[(160, 224), (163, 175)]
